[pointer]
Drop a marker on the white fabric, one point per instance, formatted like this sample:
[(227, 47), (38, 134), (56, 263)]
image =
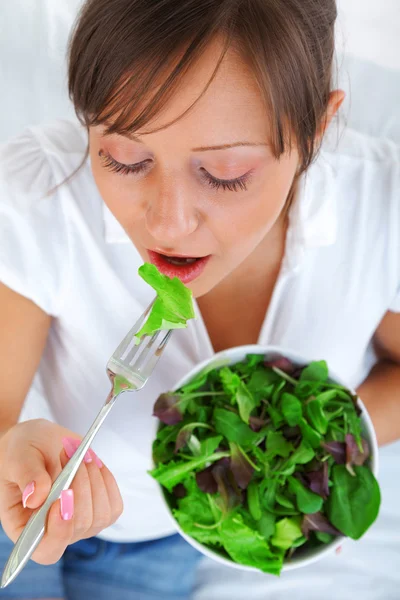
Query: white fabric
[(67, 253)]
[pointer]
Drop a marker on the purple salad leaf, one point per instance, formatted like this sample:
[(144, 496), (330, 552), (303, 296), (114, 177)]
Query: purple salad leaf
[(317, 522), (353, 454), (231, 495), (206, 481), (256, 423), (240, 467), (318, 481), (291, 433), (282, 363), (186, 433), (179, 491), (337, 450), (167, 410)]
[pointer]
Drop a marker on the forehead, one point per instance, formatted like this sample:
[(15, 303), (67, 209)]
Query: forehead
[(209, 102)]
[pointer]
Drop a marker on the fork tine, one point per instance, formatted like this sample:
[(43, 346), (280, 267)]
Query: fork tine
[(129, 340), (145, 350), (146, 367)]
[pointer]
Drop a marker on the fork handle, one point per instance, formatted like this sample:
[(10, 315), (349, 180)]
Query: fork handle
[(34, 530)]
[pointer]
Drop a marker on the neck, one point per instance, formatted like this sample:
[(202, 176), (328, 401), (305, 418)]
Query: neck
[(263, 263)]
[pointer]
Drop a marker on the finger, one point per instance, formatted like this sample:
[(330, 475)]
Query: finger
[(83, 515), (102, 514), (59, 530), (27, 470), (114, 495)]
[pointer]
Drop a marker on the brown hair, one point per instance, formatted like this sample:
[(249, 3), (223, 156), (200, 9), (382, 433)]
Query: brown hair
[(125, 51)]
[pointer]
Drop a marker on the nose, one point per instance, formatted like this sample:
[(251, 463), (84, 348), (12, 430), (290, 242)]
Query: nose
[(171, 214)]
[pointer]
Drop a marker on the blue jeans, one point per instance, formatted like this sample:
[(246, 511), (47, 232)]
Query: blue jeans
[(94, 569)]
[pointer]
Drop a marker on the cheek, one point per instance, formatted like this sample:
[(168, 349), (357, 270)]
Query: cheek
[(117, 194), (251, 217)]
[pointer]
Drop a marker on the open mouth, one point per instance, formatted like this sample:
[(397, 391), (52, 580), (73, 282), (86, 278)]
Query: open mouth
[(185, 268)]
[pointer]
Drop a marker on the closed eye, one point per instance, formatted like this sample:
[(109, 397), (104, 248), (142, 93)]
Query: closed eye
[(116, 167), (232, 185)]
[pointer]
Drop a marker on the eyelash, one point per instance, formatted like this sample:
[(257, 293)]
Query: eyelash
[(233, 185)]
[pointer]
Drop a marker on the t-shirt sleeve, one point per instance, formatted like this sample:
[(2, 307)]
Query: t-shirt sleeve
[(395, 305), (394, 234), (34, 253)]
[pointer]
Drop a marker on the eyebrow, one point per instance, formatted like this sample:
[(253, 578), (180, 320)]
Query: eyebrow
[(134, 138), (225, 146)]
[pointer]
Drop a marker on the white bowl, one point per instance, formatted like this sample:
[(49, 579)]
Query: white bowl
[(232, 356)]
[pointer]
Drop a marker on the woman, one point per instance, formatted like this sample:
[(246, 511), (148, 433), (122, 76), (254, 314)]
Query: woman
[(205, 120)]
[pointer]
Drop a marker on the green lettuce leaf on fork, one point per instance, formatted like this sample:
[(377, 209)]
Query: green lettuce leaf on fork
[(173, 306)]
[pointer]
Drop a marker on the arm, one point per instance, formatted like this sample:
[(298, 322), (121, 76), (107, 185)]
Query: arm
[(24, 328), (381, 390)]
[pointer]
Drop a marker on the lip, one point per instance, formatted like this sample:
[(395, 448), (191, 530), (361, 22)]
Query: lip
[(165, 253), (186, 273)]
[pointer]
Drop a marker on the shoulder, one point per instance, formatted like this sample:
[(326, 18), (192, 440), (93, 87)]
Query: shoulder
[(41, 157), (366, 168)]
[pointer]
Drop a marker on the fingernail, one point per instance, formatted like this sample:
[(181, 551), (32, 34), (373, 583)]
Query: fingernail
[(71, 445), (27, 493), (67, 505), (97, 460), (338, 550)]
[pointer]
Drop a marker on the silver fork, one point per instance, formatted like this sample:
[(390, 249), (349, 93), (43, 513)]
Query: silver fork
[(129, 368)]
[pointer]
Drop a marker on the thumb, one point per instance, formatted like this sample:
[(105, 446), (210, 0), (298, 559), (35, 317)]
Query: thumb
[(32, 478)]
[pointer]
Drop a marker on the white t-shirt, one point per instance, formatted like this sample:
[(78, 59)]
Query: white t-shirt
[(66, 252)]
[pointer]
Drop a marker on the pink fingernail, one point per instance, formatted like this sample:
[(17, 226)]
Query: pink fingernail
[(97, 460), (67, 505), (28, 491), (71, 445)]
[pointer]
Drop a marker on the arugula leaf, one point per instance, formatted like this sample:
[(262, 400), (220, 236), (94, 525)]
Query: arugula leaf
[(164, 444), (324, 538), (230, 381), (266, 524), (302, 455), (310, 435), (262, 383), (277, 445), (248, 547), (246, 402), (312, 378), (307, 502), (175, 472), (173, 306), (195, 516), (315, 371), (354, 502), (292, 409), (316, 416), (287, 531), (276, 416), (232, 427), (253, 501), (209, 445)]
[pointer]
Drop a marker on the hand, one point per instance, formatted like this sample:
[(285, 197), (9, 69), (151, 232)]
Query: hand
[(32, 455)]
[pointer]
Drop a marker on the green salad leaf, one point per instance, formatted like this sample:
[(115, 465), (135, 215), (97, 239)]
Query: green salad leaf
[(173, 306), (354, 501)]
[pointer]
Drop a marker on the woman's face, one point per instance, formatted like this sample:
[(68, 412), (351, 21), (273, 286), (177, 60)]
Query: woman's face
[(207, 185)]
